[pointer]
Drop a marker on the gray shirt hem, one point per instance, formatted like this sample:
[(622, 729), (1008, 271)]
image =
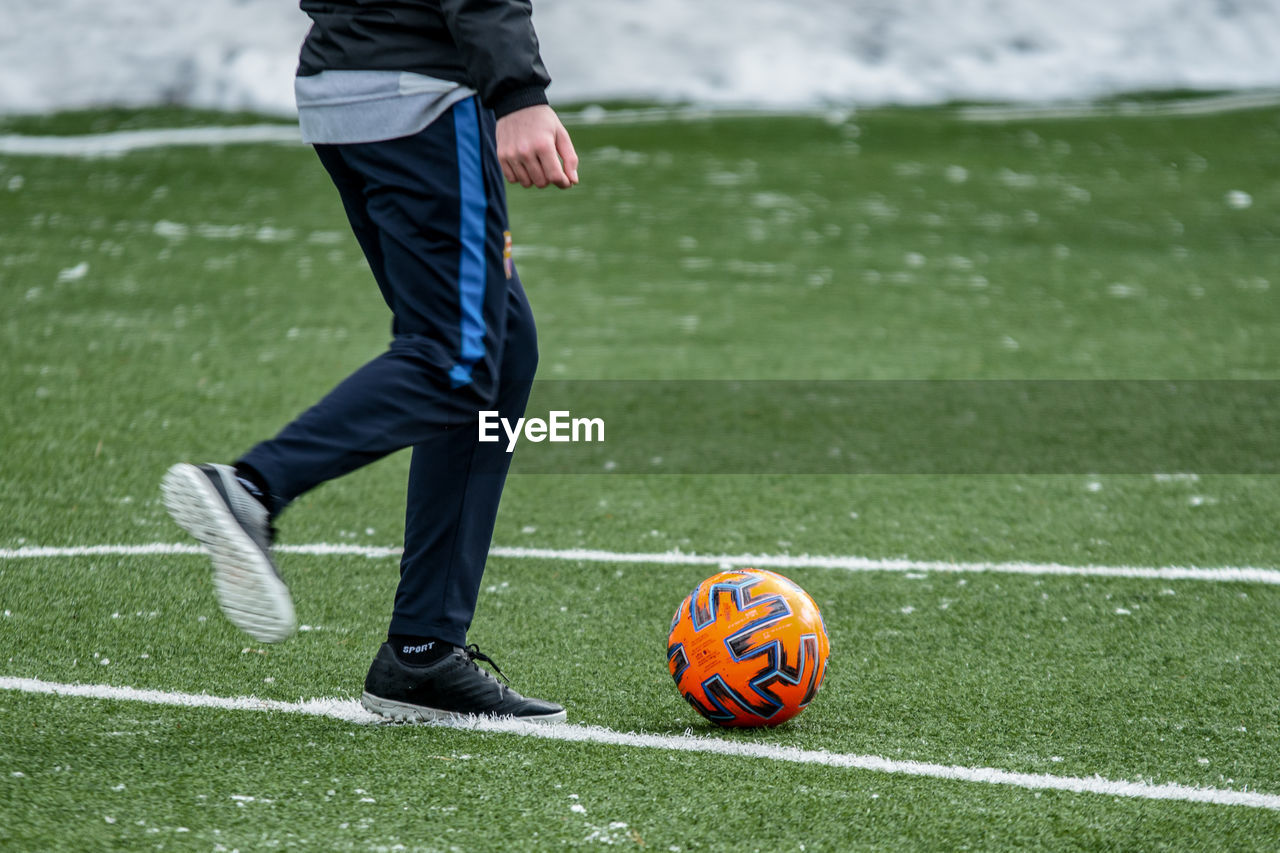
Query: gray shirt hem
[(347, 107)]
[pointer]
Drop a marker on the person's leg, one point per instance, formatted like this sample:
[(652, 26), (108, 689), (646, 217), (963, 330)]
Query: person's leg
[(422, 224), (455, 483), (446, 541), (448, 532)]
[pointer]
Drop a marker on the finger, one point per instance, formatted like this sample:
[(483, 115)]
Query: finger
[(533, 166), (521, 176), (507, 171), (564, 146), (551, 167)]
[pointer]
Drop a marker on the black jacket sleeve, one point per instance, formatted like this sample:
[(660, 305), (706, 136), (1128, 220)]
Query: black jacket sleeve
[(500, 51)]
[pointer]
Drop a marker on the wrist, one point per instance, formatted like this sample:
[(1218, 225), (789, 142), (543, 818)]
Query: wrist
[(519, 99)]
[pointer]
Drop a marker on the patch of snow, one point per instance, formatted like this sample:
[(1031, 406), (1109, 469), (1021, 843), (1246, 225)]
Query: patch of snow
[(241, 54), (75, 273), (1239, 200)]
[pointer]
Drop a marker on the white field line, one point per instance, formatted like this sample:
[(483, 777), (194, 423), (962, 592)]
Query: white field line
[(593, 115), (1242, 574), (349, 711), (125, 141), (1208, 105), (1215, 105)]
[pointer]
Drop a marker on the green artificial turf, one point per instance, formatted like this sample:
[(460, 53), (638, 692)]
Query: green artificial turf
[(184, 303), (182, 779)]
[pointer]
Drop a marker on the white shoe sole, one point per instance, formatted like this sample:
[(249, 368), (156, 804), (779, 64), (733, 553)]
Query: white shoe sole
[(401, 712), (250, 593)]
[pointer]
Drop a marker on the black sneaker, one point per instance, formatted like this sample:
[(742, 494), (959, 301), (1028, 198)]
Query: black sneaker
[(453, 688), (209, 503)]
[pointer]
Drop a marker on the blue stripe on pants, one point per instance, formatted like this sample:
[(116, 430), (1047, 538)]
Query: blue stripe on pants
[(471, 263)]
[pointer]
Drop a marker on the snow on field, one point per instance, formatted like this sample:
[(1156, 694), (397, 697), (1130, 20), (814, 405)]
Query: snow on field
[(240, 54)]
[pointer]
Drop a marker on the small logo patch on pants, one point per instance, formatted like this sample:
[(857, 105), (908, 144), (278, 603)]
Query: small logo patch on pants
[(506, 253)]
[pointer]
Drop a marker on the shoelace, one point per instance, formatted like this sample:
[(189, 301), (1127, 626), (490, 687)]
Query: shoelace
[(474, 654)]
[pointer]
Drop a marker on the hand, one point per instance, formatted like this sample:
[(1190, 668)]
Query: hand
[(532, 143)]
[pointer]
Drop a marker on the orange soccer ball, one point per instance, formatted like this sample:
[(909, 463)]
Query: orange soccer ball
[(748, 648)]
